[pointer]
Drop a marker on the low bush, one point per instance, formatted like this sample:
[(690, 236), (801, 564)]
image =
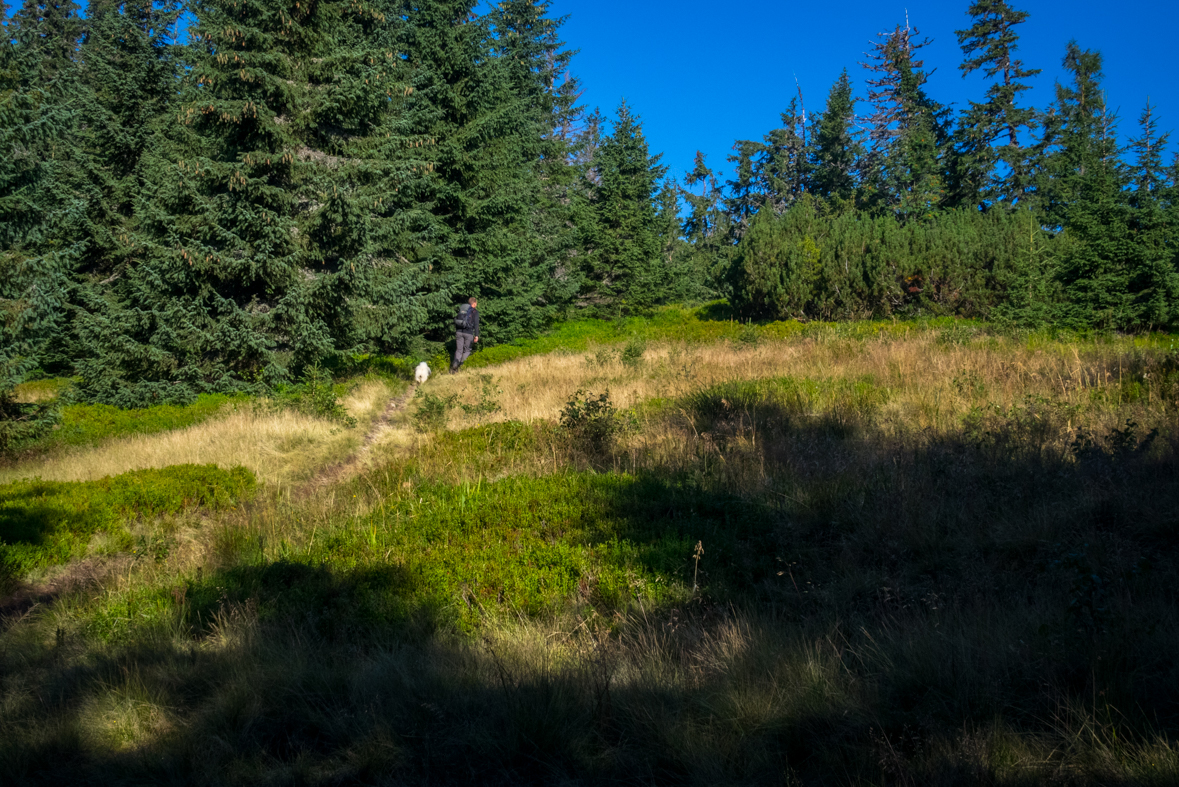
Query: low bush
[(317, 396), (631, 355), (489, 394), (45, 523), (592, 425), (432, 412)]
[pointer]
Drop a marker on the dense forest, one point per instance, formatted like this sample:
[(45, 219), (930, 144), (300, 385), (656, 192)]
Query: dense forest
[(277, 184)]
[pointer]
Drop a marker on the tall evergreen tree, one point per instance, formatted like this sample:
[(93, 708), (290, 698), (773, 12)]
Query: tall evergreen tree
[(744, 198), (706, 226), (487, 90), (993, 160), (626, 270), (908, 129), (1154, 268), (1081, 190), (835, 147), (36, 125), (266, 239), (782, 166)]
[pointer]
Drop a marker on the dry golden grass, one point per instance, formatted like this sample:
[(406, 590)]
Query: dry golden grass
[(38, 391), (929, 385), (278, 446)]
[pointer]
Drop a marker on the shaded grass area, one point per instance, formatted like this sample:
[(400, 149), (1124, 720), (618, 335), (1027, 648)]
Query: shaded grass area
[(986, 602), (45, 523)]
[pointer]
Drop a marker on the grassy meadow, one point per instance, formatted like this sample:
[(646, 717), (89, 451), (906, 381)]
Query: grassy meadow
[(677, 550)]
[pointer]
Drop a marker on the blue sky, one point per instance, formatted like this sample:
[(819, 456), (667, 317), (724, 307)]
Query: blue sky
[(703, 74)]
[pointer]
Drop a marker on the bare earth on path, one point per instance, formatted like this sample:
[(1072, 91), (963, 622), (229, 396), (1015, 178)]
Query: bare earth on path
[(335, 473)]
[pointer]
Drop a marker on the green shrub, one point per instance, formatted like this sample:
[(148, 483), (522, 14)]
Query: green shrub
[(317, 396), (45, 523), (22, 424), (592, 425), (488, 402), (631, 354), (433, 411)]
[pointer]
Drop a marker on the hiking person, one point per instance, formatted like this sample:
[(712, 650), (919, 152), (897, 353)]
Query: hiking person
[(466, 324)]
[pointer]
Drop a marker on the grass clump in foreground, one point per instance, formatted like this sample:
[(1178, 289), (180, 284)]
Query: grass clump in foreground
[(924, 561)]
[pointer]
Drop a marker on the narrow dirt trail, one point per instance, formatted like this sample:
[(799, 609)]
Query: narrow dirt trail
[(333, 474), (93, 572)]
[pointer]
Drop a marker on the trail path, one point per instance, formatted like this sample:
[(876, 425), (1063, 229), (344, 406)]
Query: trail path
[(333, 474), (93, 572)]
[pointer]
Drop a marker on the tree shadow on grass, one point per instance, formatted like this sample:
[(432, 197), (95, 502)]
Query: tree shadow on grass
[(883, 611)]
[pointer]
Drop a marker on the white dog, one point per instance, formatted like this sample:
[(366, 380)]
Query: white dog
[(421, 373)]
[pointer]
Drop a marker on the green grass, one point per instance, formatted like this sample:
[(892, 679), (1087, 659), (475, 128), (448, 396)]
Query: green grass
[(86, 424), (988, 602), (38, 390), (44, 523), (467, 553), (714, 322)]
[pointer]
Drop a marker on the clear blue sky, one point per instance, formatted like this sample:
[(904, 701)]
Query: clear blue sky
[(703, 74)]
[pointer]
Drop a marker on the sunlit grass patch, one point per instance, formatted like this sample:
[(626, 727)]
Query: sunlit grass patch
[(277, 445), (88, 424), (45, 523), (40, 390)]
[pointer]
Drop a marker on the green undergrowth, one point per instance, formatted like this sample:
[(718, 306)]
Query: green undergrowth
[(466, 553), (45, 523), (795, 396), (86, 424)]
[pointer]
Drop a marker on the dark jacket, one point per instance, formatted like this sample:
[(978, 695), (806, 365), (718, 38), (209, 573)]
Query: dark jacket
[(472, 322)]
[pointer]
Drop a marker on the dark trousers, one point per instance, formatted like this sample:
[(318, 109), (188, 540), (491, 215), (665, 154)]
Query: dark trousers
[(464, 343)]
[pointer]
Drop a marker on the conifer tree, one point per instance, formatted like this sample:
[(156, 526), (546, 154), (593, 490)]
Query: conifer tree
[(626, 270), (39, 215), (1081, 191), (993, 162), (782, 165), (27, 279), (706, 225), (909, 130), (1154, 268), (130, 67), (835, 148), (265, 235), (487, 90), (744, 196)]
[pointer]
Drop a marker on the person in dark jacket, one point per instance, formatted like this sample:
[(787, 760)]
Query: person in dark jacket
[(466, 336)]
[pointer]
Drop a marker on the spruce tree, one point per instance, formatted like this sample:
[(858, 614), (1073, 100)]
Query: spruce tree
[(1154, 268), (487, 90), (835, 148), (626, 271), (706, 225), (909, 130), (39, 213), (1081, 191), (782, 166), (266, 238), (993, 161), (744, 198)]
